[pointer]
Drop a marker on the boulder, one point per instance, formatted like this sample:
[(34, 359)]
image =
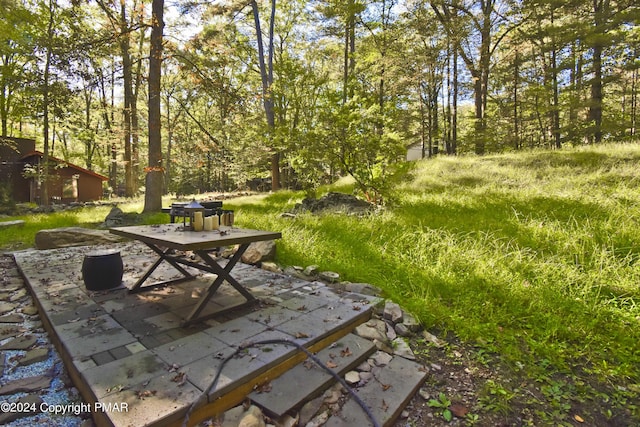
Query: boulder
[(114, 218), (7, 224), (118, 218), (335, 202), (73, 236), (259, 252)]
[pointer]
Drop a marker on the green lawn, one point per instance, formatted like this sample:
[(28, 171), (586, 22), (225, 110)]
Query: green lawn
[(529, 258)]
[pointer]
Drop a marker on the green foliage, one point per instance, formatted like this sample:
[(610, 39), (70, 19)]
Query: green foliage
[(442, 404)]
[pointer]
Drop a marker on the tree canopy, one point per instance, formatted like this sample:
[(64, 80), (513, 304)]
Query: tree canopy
[(299, 93)]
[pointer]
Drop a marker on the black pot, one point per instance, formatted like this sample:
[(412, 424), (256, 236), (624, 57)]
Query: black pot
[(102, 271)]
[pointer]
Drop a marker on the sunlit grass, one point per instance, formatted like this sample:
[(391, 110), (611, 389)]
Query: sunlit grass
[(533, 256)]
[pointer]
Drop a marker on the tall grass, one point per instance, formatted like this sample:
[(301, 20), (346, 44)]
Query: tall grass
[(533, 256)]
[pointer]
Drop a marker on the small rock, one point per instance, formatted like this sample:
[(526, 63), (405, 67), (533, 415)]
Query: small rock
[(391, 333), (20, 343), (365, 377), (383, 346), (372, 330), (233, 416), (436, 367), (332, 396), (30, 310), (329, 276), (311, 270), (34, 356), (26, 385), (380, 358), (411, 323), (424, 394), (364, 367), (404, 415), (352, 377), (291, 271), (320, 420), (393, 312), (287, 421), (252, 418), (402, 330), (271, 266), (8, 332), (401, 348), (309, 410), (433, 339), (6, 307), (20, 293), (11, 318)]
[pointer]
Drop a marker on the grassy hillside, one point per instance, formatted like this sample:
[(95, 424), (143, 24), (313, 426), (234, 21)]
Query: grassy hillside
[(532, 258)]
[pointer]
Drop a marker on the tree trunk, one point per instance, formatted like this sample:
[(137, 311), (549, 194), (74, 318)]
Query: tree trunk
[(44, 188), (267, 80), (454, 118), (155, 172), (5, 95), (634, 97), (135, 127), (595, 109), (516, 79), (127, 77)]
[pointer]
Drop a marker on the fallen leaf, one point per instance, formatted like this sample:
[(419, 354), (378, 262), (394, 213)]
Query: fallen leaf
[(117, 388), (385, 406), (331, 365), (578, 418), (302, 308), (180, 378), (357, 308), (301, 335), (145, 393), (263, 388), (346, 352), (459, 410), (386, 387)]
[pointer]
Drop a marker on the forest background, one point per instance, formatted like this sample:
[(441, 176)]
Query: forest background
[(294, 94)]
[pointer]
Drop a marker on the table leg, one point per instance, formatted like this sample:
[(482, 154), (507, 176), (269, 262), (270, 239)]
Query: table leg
[(223, 274), (163, 257)]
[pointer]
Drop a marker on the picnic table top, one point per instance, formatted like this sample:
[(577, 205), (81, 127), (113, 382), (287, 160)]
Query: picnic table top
[(176, 237)]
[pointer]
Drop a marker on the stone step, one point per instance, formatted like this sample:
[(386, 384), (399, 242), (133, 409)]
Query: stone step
[(308, 380), (386, 395)]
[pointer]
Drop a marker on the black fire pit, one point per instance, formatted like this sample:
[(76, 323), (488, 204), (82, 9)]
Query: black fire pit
[(102, 270)]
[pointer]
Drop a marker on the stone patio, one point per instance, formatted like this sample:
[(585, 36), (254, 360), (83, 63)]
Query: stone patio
[(122, 348)]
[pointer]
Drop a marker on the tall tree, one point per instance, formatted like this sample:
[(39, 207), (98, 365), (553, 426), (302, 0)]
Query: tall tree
[(154, 170)]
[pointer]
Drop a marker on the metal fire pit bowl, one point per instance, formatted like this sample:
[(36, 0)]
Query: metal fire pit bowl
[(102, 270)]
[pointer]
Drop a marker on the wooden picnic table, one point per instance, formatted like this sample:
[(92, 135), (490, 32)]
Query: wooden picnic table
[(165, 239)]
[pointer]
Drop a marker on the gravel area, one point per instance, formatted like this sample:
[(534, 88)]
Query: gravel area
[(28, 361)]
